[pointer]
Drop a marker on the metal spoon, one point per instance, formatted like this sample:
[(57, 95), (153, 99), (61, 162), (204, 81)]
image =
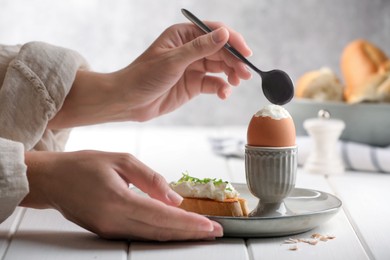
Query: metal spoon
[(277, 85)]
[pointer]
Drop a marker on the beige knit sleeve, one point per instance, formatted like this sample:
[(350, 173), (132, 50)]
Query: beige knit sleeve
[(35, 80)]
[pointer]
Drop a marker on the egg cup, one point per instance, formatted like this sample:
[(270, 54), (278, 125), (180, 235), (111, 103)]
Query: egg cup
[(270, 174)]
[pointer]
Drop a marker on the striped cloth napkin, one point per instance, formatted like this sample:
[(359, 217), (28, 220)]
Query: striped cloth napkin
[(356, 156)]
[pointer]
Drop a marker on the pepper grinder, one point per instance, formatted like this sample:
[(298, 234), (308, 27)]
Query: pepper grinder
[(325, 132)]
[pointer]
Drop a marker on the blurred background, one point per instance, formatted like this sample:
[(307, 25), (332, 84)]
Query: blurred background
[(295, 36)]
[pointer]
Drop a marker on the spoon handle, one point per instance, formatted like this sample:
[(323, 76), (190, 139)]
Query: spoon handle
[(227, 46)]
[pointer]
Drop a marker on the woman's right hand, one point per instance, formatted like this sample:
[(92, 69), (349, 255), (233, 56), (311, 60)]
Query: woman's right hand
[(180, 64), (91, 189)]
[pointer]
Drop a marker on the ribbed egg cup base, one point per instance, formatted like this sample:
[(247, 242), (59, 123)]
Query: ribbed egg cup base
[(270, 210), (271, 175)]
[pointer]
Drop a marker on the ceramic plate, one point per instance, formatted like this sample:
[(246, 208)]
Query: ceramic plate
[(309, 209)]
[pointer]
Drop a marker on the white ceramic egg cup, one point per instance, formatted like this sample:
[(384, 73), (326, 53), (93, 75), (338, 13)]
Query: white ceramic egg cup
[(270, 174)]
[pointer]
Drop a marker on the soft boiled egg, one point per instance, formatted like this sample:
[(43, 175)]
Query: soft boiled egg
[(272, 126)]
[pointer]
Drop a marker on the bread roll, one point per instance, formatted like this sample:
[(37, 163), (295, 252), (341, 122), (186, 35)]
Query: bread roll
[(375, 89), (360, 61), (385, 67), (229, 207), (320, 85)]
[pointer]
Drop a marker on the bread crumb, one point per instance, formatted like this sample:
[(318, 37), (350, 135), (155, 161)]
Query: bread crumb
[(313, 240), (316, 235), (291, 241)]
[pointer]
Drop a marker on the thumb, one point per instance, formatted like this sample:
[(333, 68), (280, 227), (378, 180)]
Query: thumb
[(204, 45)]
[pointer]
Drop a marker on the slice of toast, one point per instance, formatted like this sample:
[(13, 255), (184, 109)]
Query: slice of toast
[(230, 207)]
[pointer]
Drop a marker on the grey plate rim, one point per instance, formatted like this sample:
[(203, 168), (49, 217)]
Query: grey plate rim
[(335, 208), (250, 227)]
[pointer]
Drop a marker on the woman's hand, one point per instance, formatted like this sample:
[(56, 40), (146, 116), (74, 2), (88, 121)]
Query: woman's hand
[(91, 189), (173, 70), (177, 67)]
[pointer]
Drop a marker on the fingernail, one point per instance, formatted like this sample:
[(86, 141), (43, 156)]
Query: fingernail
[(174, 197), (248, 70), (251, 53), (249, 49), (206, 226), (227, 92), (217, 232), (219, 35)]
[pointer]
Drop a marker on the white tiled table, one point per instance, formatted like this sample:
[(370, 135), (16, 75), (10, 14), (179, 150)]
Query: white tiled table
[(361, 228)]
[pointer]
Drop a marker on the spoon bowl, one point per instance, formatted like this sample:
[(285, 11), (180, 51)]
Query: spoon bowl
[(276, 84)]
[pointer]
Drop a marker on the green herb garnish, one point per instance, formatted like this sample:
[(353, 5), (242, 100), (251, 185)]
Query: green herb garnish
[(187, 178)]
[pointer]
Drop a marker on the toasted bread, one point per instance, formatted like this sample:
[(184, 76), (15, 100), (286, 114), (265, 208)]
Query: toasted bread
[(230, 207)]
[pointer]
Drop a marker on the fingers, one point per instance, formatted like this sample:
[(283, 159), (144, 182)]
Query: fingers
[(141, 231), (156, 213), (234, 75), (209, 85), (237, 70), (151, 218), (206, 53), (238, 42), (150, 182), (148, 232), (158, 221), (202, 46), (235, 38)]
